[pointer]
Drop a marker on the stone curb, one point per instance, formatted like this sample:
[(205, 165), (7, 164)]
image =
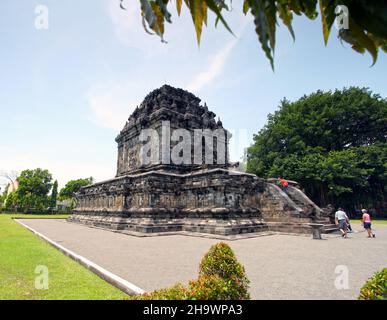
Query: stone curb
[(106, 275), (234, 237)]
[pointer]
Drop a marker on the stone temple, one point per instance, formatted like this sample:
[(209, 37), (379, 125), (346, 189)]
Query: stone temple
[(174, 176)]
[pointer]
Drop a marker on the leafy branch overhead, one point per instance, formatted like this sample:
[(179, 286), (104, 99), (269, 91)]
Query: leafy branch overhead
[(367, 19)]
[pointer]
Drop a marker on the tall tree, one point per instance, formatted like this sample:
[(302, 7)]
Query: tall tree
[(34, 187), (333, 143), (73, 186), (11, 201), (2, 195), (54, 194), (364, 22)]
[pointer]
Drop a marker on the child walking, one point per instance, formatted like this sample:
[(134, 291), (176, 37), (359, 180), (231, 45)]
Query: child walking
[(367, 223)]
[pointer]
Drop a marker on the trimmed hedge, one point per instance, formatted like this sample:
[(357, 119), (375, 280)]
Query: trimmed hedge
[(220, 261), (221, 277), (376, 287), (177, 292)]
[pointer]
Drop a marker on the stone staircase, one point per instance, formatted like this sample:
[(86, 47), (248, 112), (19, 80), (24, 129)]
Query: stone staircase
[(303, 201), (293, 210)]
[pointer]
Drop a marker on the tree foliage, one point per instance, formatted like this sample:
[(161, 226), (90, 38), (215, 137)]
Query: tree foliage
[(54, 194), (33, 190), (73, 186), (376, 287), (367, 29), (220, 261), (3, 195), (333, 143), (11, 201)]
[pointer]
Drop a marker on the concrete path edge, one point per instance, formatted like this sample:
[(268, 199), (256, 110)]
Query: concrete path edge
[(106, 275)]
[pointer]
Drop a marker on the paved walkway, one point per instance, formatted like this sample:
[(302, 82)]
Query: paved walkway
[(279, 266)]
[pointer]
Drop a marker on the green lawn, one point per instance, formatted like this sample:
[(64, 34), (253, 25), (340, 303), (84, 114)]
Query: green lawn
[(35, 216), (21, 252), (373, 222)]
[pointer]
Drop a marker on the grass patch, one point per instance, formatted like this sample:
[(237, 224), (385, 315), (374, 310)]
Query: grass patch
[(34, 216), (21, 252), (373, 222)]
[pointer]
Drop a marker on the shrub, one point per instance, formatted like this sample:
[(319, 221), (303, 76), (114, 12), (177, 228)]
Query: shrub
[(221, 261), (209, 288), (177, 292), (221, 277), (376, 287)]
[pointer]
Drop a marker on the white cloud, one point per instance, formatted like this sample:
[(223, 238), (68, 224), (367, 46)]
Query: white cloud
[(214, 69), (112, 101), (110, 106), (216, 64)]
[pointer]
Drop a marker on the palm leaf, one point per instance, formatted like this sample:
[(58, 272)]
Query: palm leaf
[(195, 7), (359, 40), (163, 7), (327, 9), (178, 6), (204, 12), (246, 6), (148, 13), (287, 17), (159, 26), (262, 27), (214, 8)]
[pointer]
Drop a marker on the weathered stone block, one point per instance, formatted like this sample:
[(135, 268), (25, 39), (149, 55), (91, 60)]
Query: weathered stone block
[(197, 196)]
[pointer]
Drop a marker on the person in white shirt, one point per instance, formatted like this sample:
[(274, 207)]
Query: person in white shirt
[(341, 220)]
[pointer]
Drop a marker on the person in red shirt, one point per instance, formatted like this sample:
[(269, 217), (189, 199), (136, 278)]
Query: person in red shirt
[(284, 183), (367, 223)]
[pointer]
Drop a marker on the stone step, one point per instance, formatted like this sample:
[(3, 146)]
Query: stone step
[(325, 222), (331, 230), (330, 225)]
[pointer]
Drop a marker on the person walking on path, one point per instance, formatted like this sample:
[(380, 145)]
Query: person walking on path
[(342, 220), (367, 223), (284, 183)]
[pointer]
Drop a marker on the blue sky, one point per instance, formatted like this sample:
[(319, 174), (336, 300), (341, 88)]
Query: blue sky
[(67, 91)]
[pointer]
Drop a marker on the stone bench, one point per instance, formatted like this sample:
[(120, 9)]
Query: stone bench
[(316, 230)]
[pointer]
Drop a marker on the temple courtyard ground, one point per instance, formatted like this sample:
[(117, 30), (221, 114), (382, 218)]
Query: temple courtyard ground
[(279, 266)]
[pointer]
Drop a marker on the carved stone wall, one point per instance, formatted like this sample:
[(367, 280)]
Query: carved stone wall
[(181, 110), (186, 197), (214, 201)]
